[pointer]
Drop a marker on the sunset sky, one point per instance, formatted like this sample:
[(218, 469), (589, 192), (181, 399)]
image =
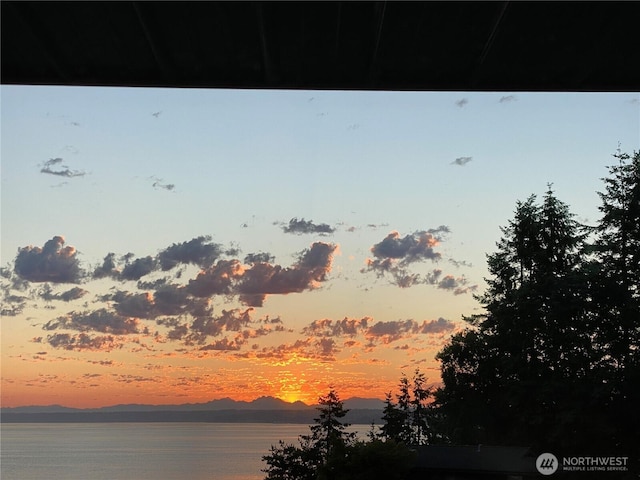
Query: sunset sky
[(173, 246)]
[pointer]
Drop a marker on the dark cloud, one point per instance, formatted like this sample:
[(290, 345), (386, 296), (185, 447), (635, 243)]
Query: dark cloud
[(73, 294), (52, 263), (138, 305), (462, 102), (224, 345), (230, 321), (336, 328), (108, 267), (391, 331), (157, 183), (395, 255), (173, 299), (138, 268), (456, 285), (54, 166), (259, 258), (101, 320), (440, 325), (216, 280), (302, 226), (327, 347), (83, 341), (387, 332), (199, 251), (408, 249), (461, 161), (263, 279)]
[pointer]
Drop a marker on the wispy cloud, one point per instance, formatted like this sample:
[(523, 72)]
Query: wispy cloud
[(158, 183), (462, 102), (461, 161), (54, 166), (508, 99)]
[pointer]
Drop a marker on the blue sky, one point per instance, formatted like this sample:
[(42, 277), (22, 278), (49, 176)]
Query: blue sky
[(131, 170)]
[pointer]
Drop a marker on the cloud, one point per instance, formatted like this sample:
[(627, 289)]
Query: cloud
[(198, 251), (83, 341), (461, 161), (54, 166), (217, 279), (302, 226), (108, 267), (337, 328), (508, 99), (230, 321), (456, 285), (388, 332), (138, 268), (157, 183), (394, 255), (408, 249), (52, 263), (73, 294), (259, 258), (440, 325), (462, 102), (307, 273), (101, 320)]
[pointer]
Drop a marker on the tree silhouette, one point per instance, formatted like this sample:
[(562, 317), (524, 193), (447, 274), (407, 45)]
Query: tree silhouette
[(321, 453), (554, 361), (329, 452)]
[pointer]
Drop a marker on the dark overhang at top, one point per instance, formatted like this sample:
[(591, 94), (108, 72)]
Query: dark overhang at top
[(364, 45)]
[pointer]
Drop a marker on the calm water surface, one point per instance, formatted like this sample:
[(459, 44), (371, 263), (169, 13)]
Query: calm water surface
[(141, 451)]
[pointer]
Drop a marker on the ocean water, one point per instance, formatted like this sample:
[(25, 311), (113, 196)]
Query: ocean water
[(141, 451)]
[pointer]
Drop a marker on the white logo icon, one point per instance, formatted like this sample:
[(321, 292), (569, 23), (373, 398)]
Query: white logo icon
[(547, 463)]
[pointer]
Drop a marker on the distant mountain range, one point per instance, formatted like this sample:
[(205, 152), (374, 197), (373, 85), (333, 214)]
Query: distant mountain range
[(260, 410)]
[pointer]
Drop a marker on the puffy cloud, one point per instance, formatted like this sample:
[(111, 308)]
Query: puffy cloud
[(410, 248), (461, 161), (198, 251), (101, 320), (303, 226), (330, 328), (263, 279), (54, 166), (216, 280), (456, 285), (108, 267), (391, 331), (138, 268), (83, 341), (224, 345), (52, 263), (230, 321), (387, 332), (394, 254), (440, 325), (73, 294), (259, 258), (172, 300)]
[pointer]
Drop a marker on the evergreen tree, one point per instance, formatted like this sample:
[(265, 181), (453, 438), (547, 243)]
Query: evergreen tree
[(504, 376), (321, 454), (616, 301), (410, 420)]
